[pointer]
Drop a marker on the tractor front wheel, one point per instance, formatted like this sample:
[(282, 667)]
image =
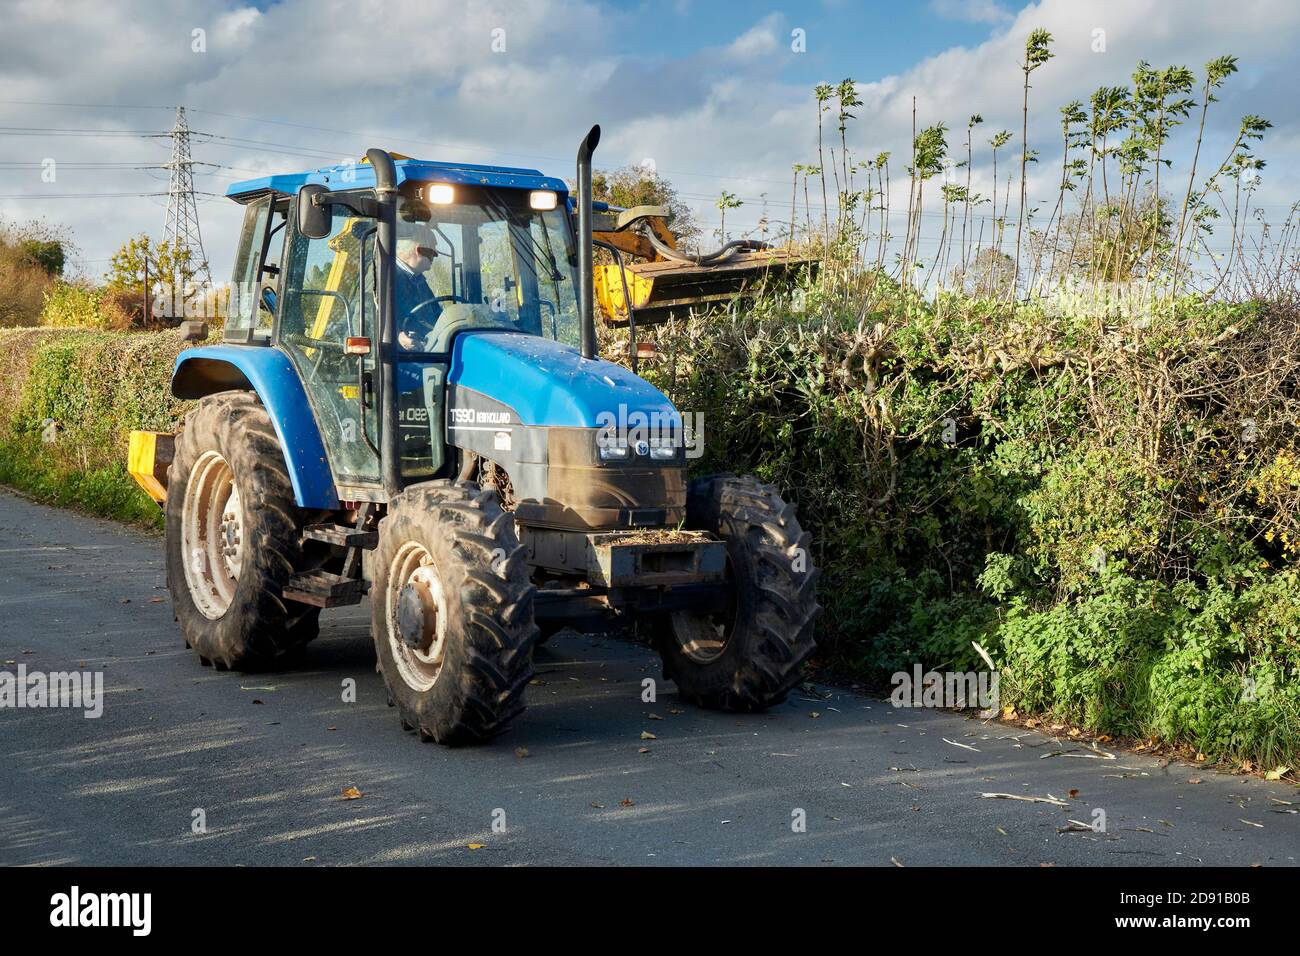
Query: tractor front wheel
[(452, 612), (747, 655)]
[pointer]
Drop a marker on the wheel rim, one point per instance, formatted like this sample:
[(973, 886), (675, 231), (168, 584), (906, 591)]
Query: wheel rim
[(702, 637), (417, 616), (212, 535)]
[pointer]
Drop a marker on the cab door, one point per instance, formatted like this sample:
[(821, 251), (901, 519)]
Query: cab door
[(326, 299)]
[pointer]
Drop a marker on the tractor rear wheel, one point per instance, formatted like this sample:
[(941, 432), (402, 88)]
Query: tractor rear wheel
[(234, 537), (452, 612), (748, 655)]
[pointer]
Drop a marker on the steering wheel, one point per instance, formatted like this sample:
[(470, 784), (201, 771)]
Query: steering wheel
[(423, 305), (415, 312)]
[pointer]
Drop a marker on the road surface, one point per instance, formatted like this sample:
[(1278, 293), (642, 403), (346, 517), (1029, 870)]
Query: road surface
[(262, 760)]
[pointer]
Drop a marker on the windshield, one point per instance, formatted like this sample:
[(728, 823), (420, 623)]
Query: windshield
[(484, 259)]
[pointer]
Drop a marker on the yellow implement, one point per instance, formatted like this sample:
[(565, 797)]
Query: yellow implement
[(661, 287), (148, 457)]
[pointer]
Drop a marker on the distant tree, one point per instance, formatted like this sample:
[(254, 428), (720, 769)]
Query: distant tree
[(139, 258), (23, 285), (639, 186), (1108, 244), (46, 253), (32, 258)]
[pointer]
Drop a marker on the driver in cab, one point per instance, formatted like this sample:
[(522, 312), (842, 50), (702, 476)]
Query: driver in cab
[(413, 300)]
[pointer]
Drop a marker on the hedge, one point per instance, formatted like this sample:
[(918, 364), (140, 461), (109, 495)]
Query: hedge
[(71, 396)]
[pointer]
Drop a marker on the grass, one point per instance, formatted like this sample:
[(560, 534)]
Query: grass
[(106, 492)]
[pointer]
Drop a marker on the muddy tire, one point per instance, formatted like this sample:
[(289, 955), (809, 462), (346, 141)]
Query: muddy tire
[(748, 656), (233, 538), (452, 612)]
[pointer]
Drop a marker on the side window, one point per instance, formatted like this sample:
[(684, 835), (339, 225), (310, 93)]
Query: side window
[(322, 294), (271, 263), (248, 257), (257, 265)]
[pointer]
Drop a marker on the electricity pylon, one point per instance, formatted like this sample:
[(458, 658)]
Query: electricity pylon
[(181, 229)]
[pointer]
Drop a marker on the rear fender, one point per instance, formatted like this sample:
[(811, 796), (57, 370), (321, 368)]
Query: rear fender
[(268, 372)]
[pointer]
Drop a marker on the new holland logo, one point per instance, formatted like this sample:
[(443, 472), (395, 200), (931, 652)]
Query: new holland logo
[(475, 418)]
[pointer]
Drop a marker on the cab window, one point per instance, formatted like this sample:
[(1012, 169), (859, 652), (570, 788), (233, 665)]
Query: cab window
[(327, 298)]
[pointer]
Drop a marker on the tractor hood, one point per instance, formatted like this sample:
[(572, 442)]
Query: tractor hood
[(550, 384)]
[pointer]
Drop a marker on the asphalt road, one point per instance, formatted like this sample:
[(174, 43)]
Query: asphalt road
[(266, 758)]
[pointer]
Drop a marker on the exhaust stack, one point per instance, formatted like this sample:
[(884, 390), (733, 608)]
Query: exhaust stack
[(586, 288), (386, 194)]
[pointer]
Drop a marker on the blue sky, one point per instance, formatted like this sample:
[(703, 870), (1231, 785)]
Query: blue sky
[(866, 39)]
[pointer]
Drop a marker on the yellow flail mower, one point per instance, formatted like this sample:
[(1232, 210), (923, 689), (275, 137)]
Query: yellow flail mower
[(650, 280)]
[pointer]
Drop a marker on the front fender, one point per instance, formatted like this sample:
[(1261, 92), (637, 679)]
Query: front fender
[(268, 372)]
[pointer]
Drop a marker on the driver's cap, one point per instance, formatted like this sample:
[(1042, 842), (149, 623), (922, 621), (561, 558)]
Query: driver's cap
[(417, 234)]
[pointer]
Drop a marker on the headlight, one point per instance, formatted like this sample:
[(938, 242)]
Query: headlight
[(663, 453), (542, 199), (440, 194), (614, 452)]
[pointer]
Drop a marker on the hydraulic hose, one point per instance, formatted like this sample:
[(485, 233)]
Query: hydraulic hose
[(706, 258)]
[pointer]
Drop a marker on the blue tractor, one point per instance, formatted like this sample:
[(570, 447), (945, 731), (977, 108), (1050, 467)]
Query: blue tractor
[(408, 405)]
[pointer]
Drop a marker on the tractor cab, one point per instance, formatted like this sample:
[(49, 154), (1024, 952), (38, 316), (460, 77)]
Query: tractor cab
[(468, 255)]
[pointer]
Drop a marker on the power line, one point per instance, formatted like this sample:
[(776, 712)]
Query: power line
[(73, 131), (283, 149), (774, 201), (111, 165), (71, 164), (83, 106), (399, 137), (44, 196), (465, 146)]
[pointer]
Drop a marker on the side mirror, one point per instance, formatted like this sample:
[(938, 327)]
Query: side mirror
[(414, 211), (313, 220)]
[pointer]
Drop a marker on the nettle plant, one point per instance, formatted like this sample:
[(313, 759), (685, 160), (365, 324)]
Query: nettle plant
[(1124, 213)]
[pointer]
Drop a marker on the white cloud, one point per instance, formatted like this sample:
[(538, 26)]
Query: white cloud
[(238, 25), (758, 40)]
